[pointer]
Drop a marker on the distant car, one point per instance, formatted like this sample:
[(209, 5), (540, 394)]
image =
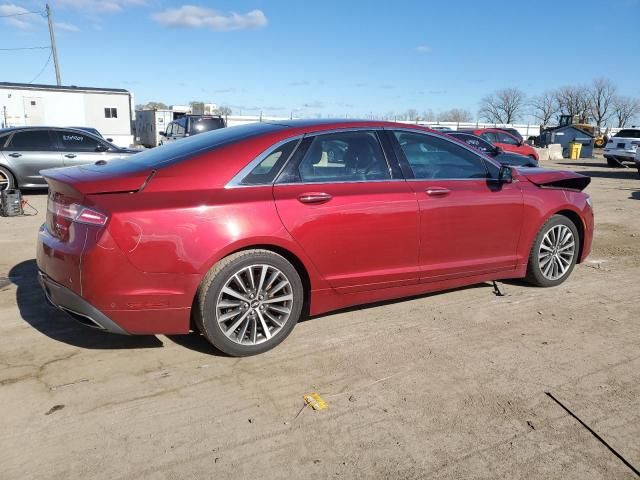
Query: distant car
[(637, 160), (24, 151), (191, 125), (622, 147), (242, 231), (505, 140), (513, 132), (505, 158)]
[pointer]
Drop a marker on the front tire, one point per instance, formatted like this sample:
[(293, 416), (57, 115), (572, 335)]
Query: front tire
[(613, 163), (554, 252), (249, 302)]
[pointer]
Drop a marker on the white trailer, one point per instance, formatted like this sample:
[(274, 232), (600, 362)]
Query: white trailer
[(149, 124), (109, 110)]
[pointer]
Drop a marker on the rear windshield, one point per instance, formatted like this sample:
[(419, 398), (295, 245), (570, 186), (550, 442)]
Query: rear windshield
[(628, 134), (182, 149), (200, 125)]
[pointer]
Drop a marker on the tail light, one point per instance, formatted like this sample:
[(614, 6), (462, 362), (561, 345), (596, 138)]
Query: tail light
[(63, 211)]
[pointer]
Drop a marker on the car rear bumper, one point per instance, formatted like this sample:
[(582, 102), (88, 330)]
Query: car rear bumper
[(76, 307)]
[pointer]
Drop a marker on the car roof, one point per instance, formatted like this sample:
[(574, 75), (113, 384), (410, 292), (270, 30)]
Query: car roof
[(42, 127)]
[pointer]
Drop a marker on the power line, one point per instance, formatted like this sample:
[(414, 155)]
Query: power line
[(19, 14), (24, 48), (43, 68)]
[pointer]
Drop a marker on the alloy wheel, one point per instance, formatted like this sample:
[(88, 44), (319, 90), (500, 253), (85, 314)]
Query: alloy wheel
[(556, 252), (254, 304), (5, 181)]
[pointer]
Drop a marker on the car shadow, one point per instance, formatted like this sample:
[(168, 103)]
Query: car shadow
[(53, 323)]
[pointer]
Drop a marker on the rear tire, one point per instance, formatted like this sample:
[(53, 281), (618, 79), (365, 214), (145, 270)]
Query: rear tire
[(554, 252), (249, 302), (7, 180)]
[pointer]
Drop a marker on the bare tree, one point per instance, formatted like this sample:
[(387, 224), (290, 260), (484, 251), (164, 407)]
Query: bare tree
[(625, 109), (224, 110), (503, 106), (573, 100), (458, 115), (411, 114), (428, 116), (601, 96), (544, 107), (152, 106)]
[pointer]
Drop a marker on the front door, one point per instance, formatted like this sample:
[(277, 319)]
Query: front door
[(355, 219), (469, 223)]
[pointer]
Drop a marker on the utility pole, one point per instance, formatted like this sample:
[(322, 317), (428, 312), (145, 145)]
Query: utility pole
[(54, 51)]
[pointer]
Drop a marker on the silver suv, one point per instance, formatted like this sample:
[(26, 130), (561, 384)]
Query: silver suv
[(24, 151)]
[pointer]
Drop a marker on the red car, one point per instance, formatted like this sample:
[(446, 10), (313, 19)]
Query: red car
[(506, 141), (241, 231)]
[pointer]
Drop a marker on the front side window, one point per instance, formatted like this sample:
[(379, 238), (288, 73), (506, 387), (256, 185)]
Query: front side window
[(76, 142), (265, 172), (344, 157), (507, 139), (179, 127), (31, 140), (433, 157)]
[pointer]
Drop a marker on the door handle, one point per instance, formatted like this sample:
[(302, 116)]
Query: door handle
[(314, 197), (437, 191), (15, 155), (70, 155)]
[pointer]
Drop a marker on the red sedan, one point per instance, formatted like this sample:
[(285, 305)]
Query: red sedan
[(241, 231), (506, 141)]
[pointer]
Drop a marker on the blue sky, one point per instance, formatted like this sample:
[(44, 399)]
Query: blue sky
[(333, 58)]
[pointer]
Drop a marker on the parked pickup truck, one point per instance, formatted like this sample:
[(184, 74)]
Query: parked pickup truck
[(622, 147)]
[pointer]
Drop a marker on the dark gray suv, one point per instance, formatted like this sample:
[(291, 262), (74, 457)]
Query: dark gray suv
[(24, 151)]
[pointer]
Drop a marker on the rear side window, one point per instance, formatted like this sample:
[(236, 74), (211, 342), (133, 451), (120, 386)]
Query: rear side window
[(628, 134), (76, 142), (199, 125), (433, 157), (31, 140), (179, 127), (344, 157), (506, 138), (265, 172)]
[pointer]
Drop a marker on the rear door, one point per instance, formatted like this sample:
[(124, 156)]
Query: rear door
[(28, 152), (79, 148), (469, 224), (351, 211)]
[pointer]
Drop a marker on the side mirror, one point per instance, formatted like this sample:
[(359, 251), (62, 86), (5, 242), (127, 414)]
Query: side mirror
[(505, 175), (101, 148), (110, 140), (163, 134), (520, 143), (498, 150)]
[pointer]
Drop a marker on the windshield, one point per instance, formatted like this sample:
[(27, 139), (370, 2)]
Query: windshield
[(175, 152), (628, 133), (199, 125)]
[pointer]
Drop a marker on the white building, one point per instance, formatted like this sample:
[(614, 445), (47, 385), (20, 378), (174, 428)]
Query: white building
[(109, 110)]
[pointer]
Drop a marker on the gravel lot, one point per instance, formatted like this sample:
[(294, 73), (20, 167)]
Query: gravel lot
[(450, 385)]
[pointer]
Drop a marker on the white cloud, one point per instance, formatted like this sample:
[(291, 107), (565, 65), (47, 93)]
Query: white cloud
[(105, 6), (19, 20), (424, 49), (68, 27), (200, 17)]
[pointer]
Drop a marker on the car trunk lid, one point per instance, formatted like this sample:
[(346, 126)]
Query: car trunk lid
[(113, 176), (556, 178)]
